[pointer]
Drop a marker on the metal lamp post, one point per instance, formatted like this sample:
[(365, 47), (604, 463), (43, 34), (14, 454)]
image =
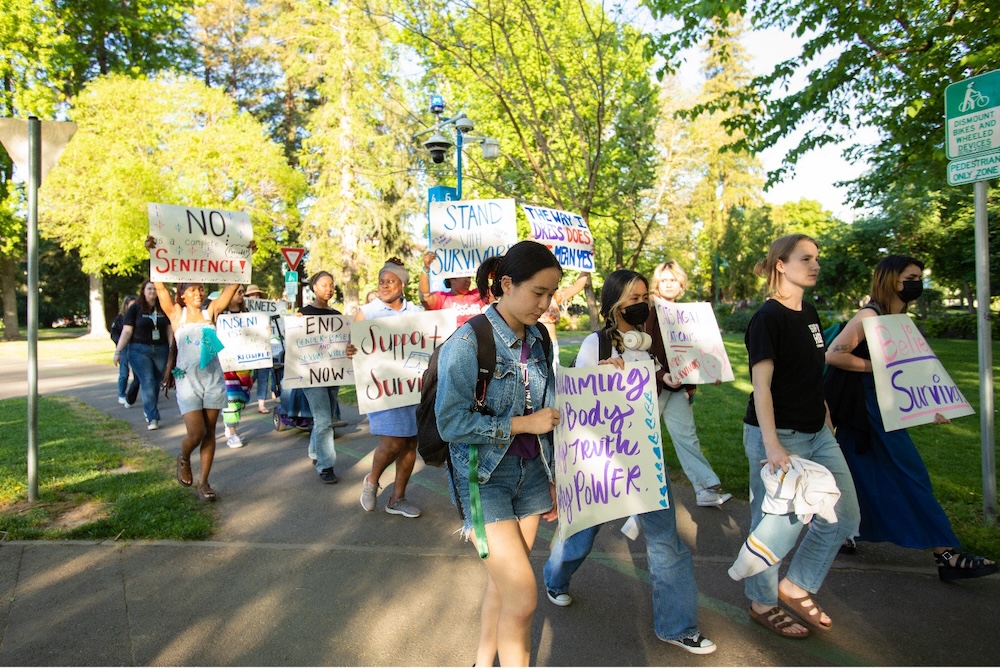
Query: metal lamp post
[(439, 144)]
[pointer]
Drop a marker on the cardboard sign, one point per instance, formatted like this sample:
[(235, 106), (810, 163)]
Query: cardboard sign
[(199, 245), (273, 308), (910, 382), (609, 458), (392, 354), (316, 352), (247, 341), (692, 341), (463, 233), (566, 235)]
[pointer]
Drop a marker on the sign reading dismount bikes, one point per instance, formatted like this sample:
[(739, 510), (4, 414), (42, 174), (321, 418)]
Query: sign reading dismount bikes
[(972, 112)]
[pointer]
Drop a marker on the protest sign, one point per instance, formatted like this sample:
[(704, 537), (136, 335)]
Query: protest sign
[(465, 232), (316, 352), (566, 235), (272, 308), (692, 341), (199, 245), (609, 458), (392, 354), (247, 341), (910, 383)]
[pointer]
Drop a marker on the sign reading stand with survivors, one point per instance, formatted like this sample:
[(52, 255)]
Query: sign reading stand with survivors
[(910, 382), (247, 341), (466, 232), (692, 341), (609, 459), (199, 245), (566, 235), (392, 354), (316, 352)]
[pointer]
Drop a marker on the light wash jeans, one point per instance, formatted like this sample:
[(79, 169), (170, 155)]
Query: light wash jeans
[(676, 411), (263, 379), (671, 571), (148, 363), (321, 403), (127, 391), (819, 546)]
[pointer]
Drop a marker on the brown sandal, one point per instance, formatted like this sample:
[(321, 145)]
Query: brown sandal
[(206, 493), (811, 613), (779, 622), (184, 471)]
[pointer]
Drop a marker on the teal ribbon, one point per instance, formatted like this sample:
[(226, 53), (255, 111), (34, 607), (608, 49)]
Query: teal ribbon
[(476, 502), (210, 347)]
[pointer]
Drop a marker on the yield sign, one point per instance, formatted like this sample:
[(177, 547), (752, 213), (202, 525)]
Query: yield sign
[(293, 256)]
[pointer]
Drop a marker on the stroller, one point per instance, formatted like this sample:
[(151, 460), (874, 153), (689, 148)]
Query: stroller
[(293, 408)]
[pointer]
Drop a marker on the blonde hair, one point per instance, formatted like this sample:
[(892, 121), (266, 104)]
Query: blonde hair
[(780, 249), (675, 270)]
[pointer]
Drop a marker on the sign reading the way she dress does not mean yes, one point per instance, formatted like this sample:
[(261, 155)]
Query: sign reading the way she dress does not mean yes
[(910, 382), (199, 245), (463, 233), (567, 235), (609, 457)]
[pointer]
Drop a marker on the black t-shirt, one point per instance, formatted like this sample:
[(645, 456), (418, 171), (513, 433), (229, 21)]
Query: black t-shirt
[(143, 326), (310, 310), (794, 341)]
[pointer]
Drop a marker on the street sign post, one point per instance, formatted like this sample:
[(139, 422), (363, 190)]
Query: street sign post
[(972, 110), (293, 256)]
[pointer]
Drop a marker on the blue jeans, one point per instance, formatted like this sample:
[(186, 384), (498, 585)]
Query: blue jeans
[(819, 547), (321, 403), (263, 378), (677, 413), (126, 390), (671, 570), (148, 364)]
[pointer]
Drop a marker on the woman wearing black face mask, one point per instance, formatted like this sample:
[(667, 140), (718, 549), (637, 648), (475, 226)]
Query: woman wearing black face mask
[(894, 489)]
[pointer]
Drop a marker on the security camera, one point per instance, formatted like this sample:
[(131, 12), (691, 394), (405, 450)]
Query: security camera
[(438, 145), (464, 123)]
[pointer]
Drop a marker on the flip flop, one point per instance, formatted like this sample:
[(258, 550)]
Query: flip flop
[(779, 622), (263, 411), (811, 613), (184, 471), (206, 493)]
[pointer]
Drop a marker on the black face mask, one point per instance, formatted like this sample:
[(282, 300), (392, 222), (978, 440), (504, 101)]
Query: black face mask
[(636, 314), (911, 290)]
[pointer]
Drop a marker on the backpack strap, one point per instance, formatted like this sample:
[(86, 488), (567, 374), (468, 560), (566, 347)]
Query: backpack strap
[(486, 359), (603, 345)]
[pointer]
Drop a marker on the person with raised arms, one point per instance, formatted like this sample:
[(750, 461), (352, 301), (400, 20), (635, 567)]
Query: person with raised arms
[(458, 296)]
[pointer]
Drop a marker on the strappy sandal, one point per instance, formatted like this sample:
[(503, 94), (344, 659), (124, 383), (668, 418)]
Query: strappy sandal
[(811, 613), (206, 493), (184, 471), (966, 566), (779, 622)]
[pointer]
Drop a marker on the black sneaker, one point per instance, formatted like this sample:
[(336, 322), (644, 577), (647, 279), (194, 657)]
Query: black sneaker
[(328, 476)]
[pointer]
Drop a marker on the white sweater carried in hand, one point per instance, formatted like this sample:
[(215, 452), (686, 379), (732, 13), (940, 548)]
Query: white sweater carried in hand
[(806, 489)]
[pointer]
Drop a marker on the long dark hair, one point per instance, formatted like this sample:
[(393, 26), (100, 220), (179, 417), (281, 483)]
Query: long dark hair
[(887, 273), (144, 306), (617, 287), (521, 262)]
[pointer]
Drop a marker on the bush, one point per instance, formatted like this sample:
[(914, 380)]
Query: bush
[(737, 321), (954, 326)]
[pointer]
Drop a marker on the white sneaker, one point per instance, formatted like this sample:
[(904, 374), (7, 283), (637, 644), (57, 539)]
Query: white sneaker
[(695, 643), (561, 599), (234, 441), (121, 400), (712, 497), (125, 403), (153, 425)]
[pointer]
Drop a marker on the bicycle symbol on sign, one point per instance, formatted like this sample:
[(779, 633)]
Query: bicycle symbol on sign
[(972, 99)]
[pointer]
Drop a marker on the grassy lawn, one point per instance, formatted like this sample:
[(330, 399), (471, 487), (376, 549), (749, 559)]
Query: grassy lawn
[(64, 343), (952, 452), (95, 478)]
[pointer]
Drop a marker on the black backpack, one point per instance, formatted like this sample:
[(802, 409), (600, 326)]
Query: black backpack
[(432, 448), (116, 328), (603, 345)]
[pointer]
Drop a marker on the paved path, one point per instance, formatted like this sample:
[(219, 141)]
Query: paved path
[(299, 574)]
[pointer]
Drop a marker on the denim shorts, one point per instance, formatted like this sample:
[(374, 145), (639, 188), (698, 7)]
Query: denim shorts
[(517, 489)]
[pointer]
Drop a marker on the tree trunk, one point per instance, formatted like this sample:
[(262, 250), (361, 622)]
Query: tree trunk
[(98, 326), (8, 291), (592, 307), (970, 298)]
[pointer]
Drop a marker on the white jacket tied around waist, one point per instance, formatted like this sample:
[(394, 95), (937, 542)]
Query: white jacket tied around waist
[(806, 489)]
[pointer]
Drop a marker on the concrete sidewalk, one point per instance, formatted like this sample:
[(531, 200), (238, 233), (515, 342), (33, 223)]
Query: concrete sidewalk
[(299, 574)]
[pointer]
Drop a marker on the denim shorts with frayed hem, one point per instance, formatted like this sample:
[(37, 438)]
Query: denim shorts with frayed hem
[(518, 488)]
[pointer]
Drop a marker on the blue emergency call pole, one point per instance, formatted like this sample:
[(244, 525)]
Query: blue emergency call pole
[(438, 144)]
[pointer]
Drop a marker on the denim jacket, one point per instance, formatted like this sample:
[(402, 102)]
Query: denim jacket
[(457, 373)]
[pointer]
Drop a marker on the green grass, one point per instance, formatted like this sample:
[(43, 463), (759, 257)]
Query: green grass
[(951, 452), (95, 479), (67, 343)]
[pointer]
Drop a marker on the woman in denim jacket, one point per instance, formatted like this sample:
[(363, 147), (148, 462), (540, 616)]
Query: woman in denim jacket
[(513, 439)]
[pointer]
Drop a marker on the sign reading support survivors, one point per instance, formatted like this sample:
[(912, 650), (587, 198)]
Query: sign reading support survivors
[(566, 235), (392, 354), (609, 458), (910, 382), (463, 233), (316, 352), (199, 245), (693, 343), (247, 341)]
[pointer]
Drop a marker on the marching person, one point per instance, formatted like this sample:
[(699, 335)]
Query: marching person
[(147, 336)]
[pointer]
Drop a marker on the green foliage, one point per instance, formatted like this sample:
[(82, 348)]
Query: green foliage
[(955, 326), (90, 468)]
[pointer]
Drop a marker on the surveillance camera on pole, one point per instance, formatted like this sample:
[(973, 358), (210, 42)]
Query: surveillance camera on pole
[(438, 145)]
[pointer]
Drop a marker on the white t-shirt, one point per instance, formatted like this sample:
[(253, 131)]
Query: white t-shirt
[(590, 351)]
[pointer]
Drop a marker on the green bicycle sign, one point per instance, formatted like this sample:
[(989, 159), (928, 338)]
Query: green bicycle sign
[(972, 112)]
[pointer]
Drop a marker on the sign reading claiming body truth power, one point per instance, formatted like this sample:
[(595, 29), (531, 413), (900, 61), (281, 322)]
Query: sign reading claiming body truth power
[(247, 341), (566, 235), (910, 382), (463, 233), (609, 458), (199, 245), (316, 352), (692, 342), (392, 354)]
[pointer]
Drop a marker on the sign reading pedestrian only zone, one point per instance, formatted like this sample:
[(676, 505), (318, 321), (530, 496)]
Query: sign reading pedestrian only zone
[(972, 109)]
